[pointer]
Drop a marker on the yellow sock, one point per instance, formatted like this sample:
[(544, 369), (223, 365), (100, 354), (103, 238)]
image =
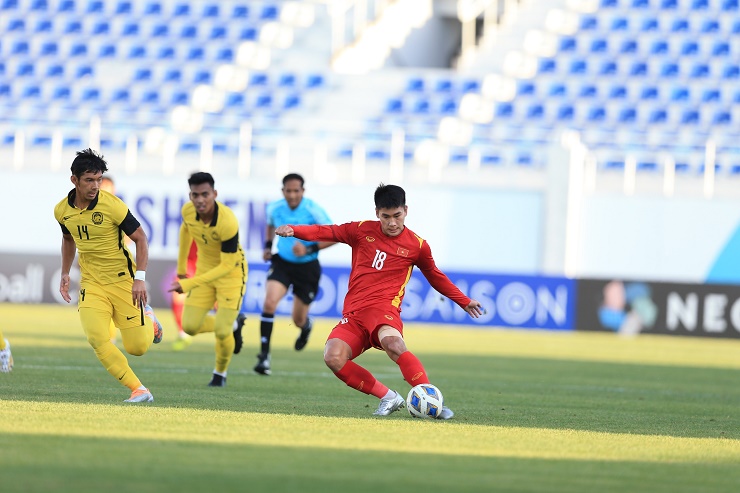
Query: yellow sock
[(224, 328), (116, 363)]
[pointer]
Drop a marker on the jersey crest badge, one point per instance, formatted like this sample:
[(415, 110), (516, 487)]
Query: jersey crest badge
[(402, 252), (97, 218)]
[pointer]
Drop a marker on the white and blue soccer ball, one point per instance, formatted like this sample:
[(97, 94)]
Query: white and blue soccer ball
[(424, 401)]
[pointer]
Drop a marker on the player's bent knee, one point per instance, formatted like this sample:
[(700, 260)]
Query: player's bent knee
[(190, 328)]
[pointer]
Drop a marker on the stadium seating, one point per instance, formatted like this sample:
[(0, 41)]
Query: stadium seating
[(63, 52)]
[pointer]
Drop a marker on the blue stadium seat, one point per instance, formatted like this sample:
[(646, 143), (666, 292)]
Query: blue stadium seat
[(107, 50), (627, 115), (589, 22), (617, 91), (172, 75), (84, 71), (620, 24), (143, 75), (588, 90), (95, 7), (130, 28), (17, 25), (20, 47), (210, 10), (711, 95), (264, 101), (730, 5), (448, 107), (25, 69), (39, 5), (415, 84), (166, 52), (49, 48), (269, 12), (731, 71), (722, 117), (159, 30), (9, 5), (101, 27), (240, 12), (710, 26), (421, 106), (202, 77), (123, 8), (579, 66), (699, 4), (61, 93), (599, 45), (258, 79), (73, 26), (689, 47), (66, 6), (568, 44), (248, 33), (136, 52), (557, 90), (121, 96), (443, 86), (153, 9), (628, 47), (189, 31), (195, 53), (314, 81), (720, 48), (700, 71), (218, 32), (78, 49), (394, 106), (680, 94), (470, 85), (225, 54), (54, 70), (181, 10), (287, 80), (291, 101)]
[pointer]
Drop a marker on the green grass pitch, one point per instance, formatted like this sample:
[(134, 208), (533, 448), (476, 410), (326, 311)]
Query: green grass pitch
[(536, 411)]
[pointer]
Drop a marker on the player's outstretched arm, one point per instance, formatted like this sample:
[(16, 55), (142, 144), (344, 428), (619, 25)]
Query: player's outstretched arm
[(474, 309), (284, 231)]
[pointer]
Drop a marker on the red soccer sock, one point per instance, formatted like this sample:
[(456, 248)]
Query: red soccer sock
[(412, 369), (360, 379)]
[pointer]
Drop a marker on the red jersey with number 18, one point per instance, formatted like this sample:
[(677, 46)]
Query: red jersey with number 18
[(381, 264)]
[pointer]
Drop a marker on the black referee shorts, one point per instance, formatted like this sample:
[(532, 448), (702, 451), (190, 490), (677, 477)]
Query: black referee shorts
[(303, 277)]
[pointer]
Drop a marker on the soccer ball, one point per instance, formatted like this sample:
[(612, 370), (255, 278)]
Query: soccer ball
[(424, 401)]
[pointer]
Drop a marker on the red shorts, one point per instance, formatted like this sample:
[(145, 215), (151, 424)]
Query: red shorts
[(359, 329)]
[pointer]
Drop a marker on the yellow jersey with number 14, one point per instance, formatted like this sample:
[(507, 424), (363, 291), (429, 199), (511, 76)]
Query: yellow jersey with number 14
[(98, 232)]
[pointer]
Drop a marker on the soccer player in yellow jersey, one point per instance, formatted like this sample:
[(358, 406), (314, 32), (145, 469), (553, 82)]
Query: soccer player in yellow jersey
[(220, 271), (6, 358), (112, 284)]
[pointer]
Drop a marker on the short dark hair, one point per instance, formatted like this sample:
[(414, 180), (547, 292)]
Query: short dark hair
[(88, 161), (293, 176), (200, 177), (389, 197)]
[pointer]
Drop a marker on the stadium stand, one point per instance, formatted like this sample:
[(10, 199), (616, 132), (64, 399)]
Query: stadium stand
[(631, 77)]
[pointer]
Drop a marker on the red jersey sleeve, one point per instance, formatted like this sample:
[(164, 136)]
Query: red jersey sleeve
[(438, 279), (343, 233)]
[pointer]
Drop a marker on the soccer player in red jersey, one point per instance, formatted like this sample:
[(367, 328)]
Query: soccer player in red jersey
[(384, 253)]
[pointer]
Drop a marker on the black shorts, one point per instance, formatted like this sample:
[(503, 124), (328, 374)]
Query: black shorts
[(303, 277)]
